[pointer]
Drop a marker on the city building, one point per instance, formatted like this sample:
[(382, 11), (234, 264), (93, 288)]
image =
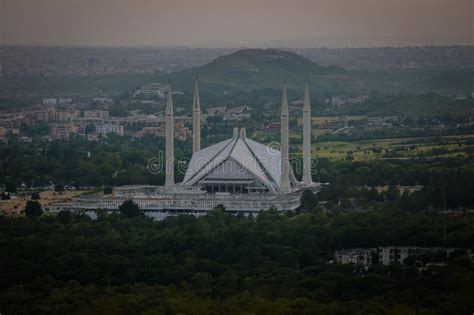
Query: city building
[(101, 114), (51, 114), (63, 130), (151, 90), (50, 101), (181, 131), (154, 131), (4, 132), (392, 255), (93, 137), (102, 100), (66, 115), (272, 127), (216, 110), (48, 114), (109, 128), (359, 256), (64, 100), (236, 116)]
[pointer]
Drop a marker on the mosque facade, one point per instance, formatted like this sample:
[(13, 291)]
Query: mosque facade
[(240, 174)]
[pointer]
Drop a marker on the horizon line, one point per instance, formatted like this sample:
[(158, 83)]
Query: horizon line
[(228, 47)]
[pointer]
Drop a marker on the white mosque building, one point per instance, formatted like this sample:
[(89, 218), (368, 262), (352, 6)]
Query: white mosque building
[(240, 174)]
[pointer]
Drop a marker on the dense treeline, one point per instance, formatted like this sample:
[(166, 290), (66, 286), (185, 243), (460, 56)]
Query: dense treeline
[(227, 264), (115, 161), (384, 172), (413, 106), (445, 182)]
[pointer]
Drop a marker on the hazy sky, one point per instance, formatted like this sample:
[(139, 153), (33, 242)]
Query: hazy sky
[(219, 23)]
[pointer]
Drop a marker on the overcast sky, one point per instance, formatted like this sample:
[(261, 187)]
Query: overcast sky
[(232, 23)]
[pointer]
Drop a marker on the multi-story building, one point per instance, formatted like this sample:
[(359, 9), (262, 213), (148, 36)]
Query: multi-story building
[(64, 130), (65, 100), (48, 114), (66, 115), (394, 255), (60, 131), (151, 90), (50, 101), (51, 114), (109, 128), (272, 127), (360, 256), (235, 116), (387, 255), (216, 110), (155, 131), (102, 100), (101, 114), (181, 131), (8, 131)]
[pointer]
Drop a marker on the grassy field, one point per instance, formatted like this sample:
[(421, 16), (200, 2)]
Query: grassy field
[(402, 148), (396, 148), (18, 203)]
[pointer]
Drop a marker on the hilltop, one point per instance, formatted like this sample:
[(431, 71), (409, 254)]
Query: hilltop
[(255, 69)]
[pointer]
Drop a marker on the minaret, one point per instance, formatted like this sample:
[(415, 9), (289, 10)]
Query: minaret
[(307, 180), (169, 133), (196, 118), (285, 158)]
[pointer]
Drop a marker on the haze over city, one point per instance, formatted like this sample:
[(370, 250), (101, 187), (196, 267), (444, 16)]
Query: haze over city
[(257, 23)]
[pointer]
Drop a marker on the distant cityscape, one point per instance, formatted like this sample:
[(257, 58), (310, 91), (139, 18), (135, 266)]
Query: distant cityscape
[(39, 61)]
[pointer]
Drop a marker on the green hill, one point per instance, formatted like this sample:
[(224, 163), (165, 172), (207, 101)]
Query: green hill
[(254, 69)]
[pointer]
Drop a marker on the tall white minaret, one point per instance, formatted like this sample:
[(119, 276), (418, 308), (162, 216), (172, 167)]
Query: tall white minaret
[(169, 133), (285, 157), (307, 180), (196, 118)]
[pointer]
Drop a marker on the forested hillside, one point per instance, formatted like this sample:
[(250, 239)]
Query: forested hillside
[(225, 264)]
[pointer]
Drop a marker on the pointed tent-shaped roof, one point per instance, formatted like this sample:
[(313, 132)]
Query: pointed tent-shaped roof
[(262, 162)]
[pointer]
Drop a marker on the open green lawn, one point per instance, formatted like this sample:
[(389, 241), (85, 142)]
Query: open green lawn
[(447, 146), (396, 148)]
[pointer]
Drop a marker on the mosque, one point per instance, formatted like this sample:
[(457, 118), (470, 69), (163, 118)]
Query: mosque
[(240, 174)]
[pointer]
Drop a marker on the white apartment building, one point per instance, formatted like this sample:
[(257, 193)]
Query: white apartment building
[(109, 128), (96, 114), (360, 256), (50, 101)]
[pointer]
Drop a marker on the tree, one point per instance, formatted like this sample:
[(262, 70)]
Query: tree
[(33, 209), (130, 209), (373, 195), (219, 208), (35, 196), (10, 187), (89, 128), (5, 196), (392, 194), (64, 216), (59, 187), (107, 190), (308, 200)]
